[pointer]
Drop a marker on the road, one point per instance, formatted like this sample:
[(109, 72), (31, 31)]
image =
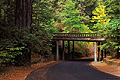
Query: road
[(71, 70)]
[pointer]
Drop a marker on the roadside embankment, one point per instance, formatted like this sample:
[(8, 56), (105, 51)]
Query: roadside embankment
[(115, 62), (108, 66)]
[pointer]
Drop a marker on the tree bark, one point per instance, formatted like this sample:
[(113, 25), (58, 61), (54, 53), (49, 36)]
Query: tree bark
[(23, 13), (23, 19)]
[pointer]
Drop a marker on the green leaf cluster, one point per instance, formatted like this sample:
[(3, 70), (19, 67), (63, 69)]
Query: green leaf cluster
[(69, 14)]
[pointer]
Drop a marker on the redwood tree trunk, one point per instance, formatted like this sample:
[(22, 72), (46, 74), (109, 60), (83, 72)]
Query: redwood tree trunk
[(23, 19), (23, 13)]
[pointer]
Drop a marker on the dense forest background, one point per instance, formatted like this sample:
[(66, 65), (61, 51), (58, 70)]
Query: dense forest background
[(27, 26)]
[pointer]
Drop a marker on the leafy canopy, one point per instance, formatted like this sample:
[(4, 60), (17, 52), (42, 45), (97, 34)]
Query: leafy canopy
[(71, 16)]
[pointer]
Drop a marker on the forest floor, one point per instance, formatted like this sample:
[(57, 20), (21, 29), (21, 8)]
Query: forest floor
[(19, 73)]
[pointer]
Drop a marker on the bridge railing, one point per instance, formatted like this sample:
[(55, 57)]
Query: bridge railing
[(76, 35)]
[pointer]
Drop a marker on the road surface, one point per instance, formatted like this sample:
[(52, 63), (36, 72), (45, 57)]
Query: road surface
[(70, 70)]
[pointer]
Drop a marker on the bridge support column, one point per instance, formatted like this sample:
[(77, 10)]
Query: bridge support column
[(63, 55), (68, 49), (98, 51), (57, 51), (95, 52), (105, 53), (73, 54), (102, 53)]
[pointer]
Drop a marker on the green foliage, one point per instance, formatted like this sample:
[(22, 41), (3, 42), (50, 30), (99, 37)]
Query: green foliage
[(42, 12), (113, 6), (87, 6), (40, 40), (106, 21), (110, 30), (42, 26), (7, 8), (104, 12), (9, 48), (9, 54), (100, 17), (35, 38), (71, 16)]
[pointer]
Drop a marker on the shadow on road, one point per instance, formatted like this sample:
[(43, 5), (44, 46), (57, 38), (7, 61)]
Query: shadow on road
[(83, 60), (87, 60)]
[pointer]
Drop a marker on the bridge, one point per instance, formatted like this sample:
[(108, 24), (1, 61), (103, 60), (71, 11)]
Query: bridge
[(88, 37)]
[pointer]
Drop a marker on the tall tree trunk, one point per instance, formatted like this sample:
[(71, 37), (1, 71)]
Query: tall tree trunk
[(23, 13), (23, 19)]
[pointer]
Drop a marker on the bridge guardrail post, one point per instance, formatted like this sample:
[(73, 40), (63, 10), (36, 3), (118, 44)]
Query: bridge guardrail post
[(63, 55)]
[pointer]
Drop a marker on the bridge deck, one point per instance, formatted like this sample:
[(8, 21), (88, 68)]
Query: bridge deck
[(89, 37)]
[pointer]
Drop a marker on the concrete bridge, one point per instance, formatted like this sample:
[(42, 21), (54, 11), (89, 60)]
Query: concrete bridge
[(88, 37)]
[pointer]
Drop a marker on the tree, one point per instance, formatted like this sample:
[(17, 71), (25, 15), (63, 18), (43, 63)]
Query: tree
[(24, 19), (23, 13)]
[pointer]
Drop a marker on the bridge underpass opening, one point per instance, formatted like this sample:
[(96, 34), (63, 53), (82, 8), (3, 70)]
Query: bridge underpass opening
[(71, 55)]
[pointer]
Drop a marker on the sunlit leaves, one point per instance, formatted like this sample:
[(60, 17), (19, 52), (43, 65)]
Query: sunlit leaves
[(101, 16)]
